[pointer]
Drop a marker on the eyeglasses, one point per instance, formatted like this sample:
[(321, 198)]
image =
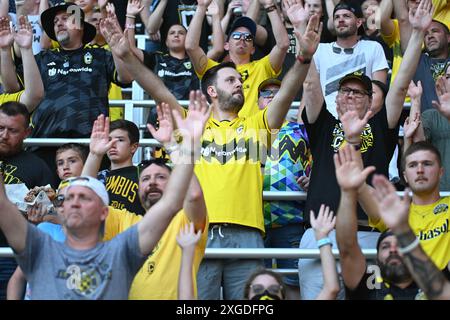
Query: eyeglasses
[(239, 35), (356, 93), (339, 50), (266, 93), (272, 289)]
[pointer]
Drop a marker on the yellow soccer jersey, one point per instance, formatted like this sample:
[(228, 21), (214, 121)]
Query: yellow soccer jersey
[(253, 74), (442, 11), (117, 221), (229, 169), (158, 278), (430, 223), (7, 97)]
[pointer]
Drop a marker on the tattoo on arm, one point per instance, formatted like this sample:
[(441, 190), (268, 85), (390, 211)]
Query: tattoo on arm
[(429, 278)]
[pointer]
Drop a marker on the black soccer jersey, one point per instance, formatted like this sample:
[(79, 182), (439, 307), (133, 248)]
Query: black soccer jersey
[(76, 85)]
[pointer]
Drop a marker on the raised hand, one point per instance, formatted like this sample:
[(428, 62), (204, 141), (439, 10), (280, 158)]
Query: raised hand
[(24, 36), (415, 91), (134, 7), (309, 41), (350, 172), (164, 134), (421, 20), (393, 210), (117, 41), (443, 93), (213, 9), (6, 36), (352, 124), (192, 126), (324, 223), (36, 213), (410, 126), (187, 238), (100, 142), (296, 13)]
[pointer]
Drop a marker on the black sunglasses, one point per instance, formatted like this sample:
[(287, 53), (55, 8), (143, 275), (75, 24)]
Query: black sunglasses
[(237, 35)]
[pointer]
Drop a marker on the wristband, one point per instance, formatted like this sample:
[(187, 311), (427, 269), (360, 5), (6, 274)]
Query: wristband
[(171, 148), (323, 242), (410, 247), (271, 8), (130, 16)]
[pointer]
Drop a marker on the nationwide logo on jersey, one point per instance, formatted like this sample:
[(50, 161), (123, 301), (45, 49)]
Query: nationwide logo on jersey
[(440, 208), (339, 138), (188, 65), (88, 58), (51, 72)]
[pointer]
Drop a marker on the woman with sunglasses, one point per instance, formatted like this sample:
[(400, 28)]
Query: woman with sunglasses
[(268, 285)]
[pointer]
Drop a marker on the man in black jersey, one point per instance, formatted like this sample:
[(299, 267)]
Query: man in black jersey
[(76, 78)]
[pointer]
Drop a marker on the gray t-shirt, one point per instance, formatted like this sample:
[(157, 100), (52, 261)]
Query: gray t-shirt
[(437, 131), (57, 272)]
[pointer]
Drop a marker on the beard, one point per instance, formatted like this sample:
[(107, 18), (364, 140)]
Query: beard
[(352, 30), (63, 38), (230, 102), (148, 200), (394, 273)]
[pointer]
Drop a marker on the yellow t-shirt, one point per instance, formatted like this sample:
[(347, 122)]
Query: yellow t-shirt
[(7, 97), (229, 169), (117, 221), (252, 74), (442, 11), (158, 278), (430, 223)]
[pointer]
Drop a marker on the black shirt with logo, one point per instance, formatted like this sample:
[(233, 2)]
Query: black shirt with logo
[(76, 85), (122, 186)]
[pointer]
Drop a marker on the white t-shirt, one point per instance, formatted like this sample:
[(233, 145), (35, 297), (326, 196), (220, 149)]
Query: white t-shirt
[(367, 57), (37, 30)]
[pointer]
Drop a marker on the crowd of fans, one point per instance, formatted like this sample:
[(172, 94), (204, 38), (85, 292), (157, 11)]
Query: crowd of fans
[(372, 79)]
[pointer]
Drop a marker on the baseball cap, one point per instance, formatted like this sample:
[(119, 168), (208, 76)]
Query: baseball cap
[(89, 182), (383, 236), (245, 22), (361, 77), (269, 81), (48, 17), (352, 6)]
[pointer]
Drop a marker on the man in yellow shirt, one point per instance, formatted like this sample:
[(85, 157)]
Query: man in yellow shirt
[(429, 214), (240, 46), (158, 277), (229, 169)]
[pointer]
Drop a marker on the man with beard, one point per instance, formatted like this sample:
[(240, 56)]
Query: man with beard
[(161, 269), (396, 214), (348, 54), (229, 169), (396, 282), (429, 214)]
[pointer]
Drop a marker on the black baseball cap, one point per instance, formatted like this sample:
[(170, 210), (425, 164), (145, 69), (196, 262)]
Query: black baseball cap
[(361, 77), (352, 6), (48, 17), (245, 22), (384, 235)]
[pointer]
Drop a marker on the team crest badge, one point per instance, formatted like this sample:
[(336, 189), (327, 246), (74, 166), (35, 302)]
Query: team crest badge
[(88, 58), (51, 72), (188, 65), (240, 129)]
